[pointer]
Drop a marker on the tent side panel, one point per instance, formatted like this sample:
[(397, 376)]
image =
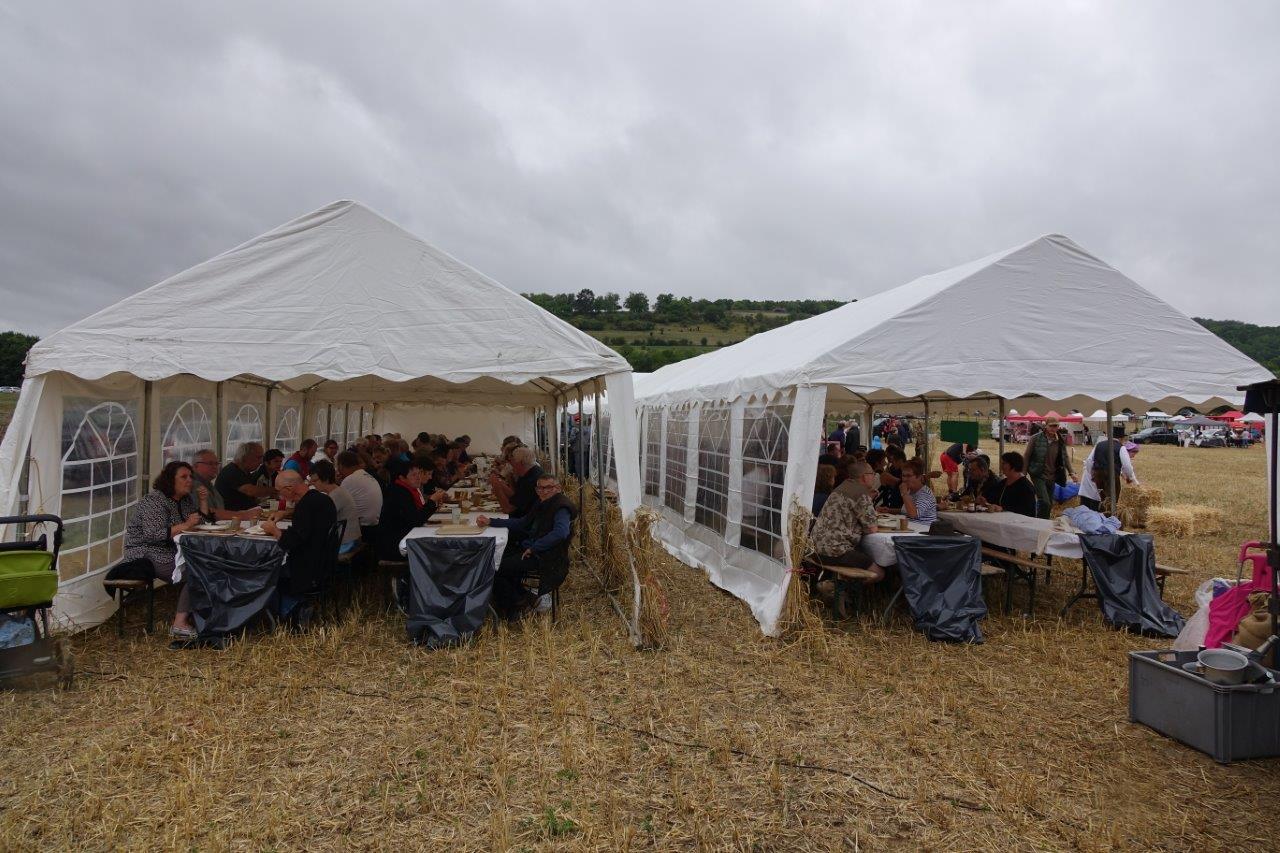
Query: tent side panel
[(14, 448), (625, 432), (801, 474), (88, 455)]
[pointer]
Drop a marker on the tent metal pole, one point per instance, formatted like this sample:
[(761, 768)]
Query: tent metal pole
[(582, 480), (1111, 465), (328, 422), (868, 418), (927, 466), (346, 425), (1000, 428), (268, 437), (148, 441), (599, 431), (219, 430)]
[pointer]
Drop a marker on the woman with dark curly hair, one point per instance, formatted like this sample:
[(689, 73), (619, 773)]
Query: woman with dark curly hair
[(173, 506)]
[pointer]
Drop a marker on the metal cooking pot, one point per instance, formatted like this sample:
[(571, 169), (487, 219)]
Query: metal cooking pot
[(1223, 666)]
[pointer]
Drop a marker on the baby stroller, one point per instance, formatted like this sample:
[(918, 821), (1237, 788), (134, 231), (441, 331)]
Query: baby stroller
[(28, 583)]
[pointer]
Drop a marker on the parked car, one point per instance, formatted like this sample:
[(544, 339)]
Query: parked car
[(1215, 438), (1155, 435)]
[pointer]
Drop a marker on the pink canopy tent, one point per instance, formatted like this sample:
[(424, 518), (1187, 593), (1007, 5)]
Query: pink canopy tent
[(1075, 418)]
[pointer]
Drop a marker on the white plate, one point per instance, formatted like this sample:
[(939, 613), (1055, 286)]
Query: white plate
[(211, 528)]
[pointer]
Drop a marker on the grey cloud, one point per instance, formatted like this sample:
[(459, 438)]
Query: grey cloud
[(715, 149)]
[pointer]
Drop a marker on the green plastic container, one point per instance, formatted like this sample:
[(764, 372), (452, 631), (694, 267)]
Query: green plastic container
[(27, 579)]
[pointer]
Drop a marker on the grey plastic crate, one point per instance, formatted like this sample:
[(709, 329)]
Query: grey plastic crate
[(1228, 723)]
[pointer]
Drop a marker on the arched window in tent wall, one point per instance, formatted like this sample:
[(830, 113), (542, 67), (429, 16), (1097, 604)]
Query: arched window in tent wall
[(765, 437), (99, 482), (337, 423), (353, 427), (322, 424), (186, 431), (677, 452), (653, 451), (244, 425), (712, 504), (288, 430)]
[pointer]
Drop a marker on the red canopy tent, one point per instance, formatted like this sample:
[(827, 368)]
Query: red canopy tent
[(1075, 418), (1232, 415)]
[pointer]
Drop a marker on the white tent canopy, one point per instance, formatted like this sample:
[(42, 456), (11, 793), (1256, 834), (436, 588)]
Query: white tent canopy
[(336, 324), (729, 438), (1254, 418)]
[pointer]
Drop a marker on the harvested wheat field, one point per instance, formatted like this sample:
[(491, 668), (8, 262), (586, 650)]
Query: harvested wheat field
[(564, 737)]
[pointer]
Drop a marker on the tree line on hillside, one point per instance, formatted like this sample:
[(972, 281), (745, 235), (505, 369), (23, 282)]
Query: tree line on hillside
[(1260, 343), (13, 351), (636, 313)]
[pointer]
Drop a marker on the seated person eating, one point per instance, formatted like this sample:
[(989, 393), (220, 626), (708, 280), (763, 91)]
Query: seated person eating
[(306, 540), (237, 482), (918, 502), (171, 508), (519, 499), (404, 507), (539, 547), (981, 478), (848, 514), (1012, 492)]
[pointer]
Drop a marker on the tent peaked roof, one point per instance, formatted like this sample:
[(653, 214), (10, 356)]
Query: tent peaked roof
[(336, 294), (1045, 318)]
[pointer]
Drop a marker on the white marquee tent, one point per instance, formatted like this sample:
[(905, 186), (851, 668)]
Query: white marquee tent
[(729, 438), (336, 324)]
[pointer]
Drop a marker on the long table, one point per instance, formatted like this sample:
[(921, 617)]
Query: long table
[(1019, 532)]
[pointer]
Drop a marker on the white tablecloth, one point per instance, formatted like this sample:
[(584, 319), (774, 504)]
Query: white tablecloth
[(498, 534), (879, 546), (1019, 532)]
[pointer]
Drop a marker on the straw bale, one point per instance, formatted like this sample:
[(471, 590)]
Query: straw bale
[(1136, 502), (1208, 519), (1177, 520)]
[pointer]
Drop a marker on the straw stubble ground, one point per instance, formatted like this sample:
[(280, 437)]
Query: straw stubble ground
[(563, 737)]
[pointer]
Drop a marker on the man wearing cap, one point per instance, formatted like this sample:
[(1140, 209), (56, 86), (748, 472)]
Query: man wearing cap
[(1047, 464)]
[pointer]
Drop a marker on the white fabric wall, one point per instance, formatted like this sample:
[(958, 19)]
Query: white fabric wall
[(487, 425), (759, 576), (625, 437), (94, 543)]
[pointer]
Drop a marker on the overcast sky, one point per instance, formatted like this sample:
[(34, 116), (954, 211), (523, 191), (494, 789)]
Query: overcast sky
[(738, 149)]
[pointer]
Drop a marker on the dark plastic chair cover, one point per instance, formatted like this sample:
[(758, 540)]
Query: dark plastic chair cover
[(230, 580), (942, 582), (450, 581), (1124, 571)]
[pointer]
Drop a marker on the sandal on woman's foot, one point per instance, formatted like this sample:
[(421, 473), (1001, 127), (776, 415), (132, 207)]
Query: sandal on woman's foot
[(180, 633)]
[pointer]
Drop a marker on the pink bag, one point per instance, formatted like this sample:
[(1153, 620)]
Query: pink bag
[(1226, 611)]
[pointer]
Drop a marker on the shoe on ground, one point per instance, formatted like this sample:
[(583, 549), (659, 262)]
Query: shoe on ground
[(180, 633)]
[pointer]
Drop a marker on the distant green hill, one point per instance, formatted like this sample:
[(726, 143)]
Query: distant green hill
[(1260, 343), (674, 328)]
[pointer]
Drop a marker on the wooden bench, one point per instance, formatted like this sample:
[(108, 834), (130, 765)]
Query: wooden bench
[(1163, 572), (128, 590), (847, 579), (1023, 569)]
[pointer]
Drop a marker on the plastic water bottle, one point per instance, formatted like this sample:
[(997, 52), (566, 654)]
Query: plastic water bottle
[(457, 514)]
